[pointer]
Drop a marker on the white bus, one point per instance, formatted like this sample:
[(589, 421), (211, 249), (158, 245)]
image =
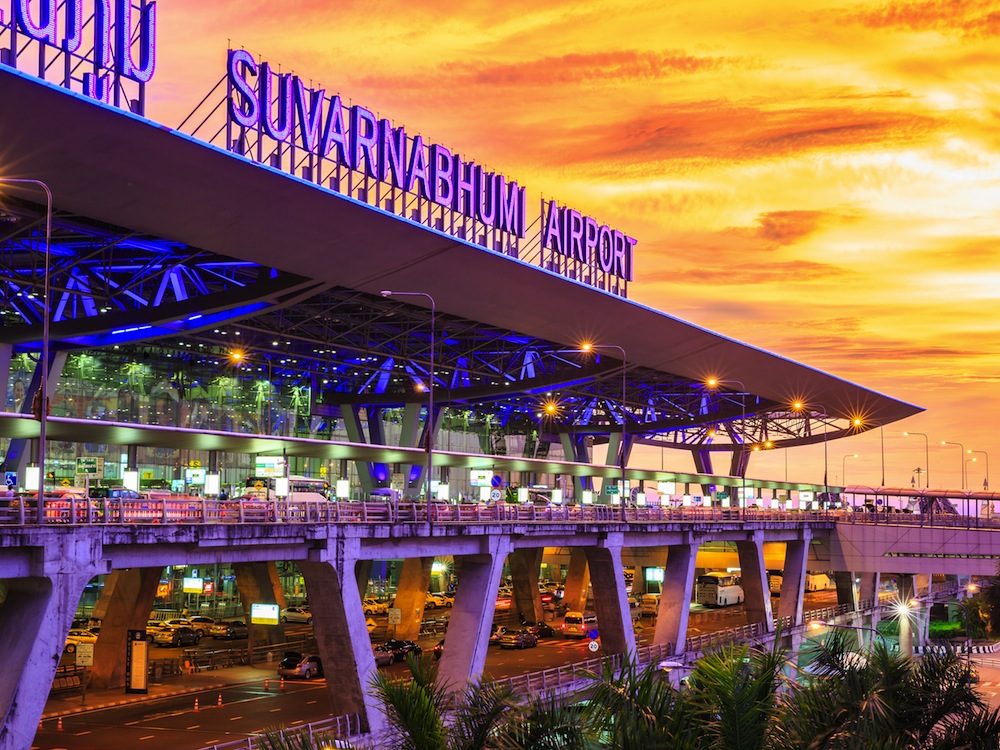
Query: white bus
[(299, 488), (774, 579), (719, 589)]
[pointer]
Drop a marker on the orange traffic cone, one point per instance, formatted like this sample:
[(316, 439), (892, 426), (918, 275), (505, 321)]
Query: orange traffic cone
[(281, 686), (219, 704), (196, 705), (265, 684), (59, 726)]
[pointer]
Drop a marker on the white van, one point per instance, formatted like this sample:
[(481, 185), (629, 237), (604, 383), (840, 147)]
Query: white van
[(578, 624), (649, 605), (818, 582)]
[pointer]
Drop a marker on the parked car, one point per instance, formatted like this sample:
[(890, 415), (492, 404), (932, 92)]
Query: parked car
[(383, 657), (229, 629), (304, 667), (78, 635), (200, 624), (296, 614), (540, 629), (400, 648), (439, 649), (432, 602), (181, 635), (373, 606), (115, 493), (440, 600), (522, 638), (496, 634)]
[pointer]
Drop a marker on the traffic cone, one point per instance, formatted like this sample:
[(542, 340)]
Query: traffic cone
[(219, 704), (196, 705), (59, 726), (281, 686), (266, 688)]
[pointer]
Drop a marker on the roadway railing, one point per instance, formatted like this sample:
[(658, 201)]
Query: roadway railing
[(196, 510), (949, 520)]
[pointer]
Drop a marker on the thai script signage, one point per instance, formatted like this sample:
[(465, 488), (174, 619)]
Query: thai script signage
[(108, 47)]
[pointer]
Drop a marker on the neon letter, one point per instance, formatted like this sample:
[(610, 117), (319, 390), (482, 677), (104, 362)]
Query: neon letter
[(283, 129), (574, 234), (391, 153), (102, 32), (442, 184), (486, 196), (510, 206), (147, 42), (45, 29), (416, 175), (465, 184), (334, 134), (363, 142), (74, 26), (605, 249), (247, 112), (309, 105), (551, 237), (589, 239)]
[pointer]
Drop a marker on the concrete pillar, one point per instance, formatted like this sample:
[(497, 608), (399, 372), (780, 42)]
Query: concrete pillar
[(675, 599), (921, 585), (907, 617), (125, 604), (577, 581), (525, 565), (342, 636), (847, 589), (468, 635), (352, 424), (363, 571), (614, 618), (411, 595), (869, 587), (258, 583), (34, 620), (793, 580), (754, 573)]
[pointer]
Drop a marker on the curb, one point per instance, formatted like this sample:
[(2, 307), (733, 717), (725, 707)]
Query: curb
[(136, 699)]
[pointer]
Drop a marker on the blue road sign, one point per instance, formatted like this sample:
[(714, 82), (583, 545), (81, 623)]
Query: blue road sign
[(593, 634), (496, 481)]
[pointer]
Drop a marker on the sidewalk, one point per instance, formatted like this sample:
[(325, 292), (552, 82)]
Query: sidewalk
[(205, 680)]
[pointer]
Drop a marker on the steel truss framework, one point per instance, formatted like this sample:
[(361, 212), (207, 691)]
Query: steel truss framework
[(123, 294)]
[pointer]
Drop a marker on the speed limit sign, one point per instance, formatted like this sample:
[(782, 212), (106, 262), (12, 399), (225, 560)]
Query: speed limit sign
[(495, 495)]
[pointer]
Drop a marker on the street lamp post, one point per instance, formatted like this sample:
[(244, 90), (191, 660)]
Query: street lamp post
[(927, 456), (712, 383), (587, 347), (44, 363), (949, 442), (817, 624), (986, 482), (430, 391), (843, 467), (798, 406)]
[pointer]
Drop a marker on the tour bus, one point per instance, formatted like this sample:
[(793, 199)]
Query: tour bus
[(299, 488), (719, 589)]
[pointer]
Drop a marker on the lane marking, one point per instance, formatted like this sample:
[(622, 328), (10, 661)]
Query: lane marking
[(195, 726), (236, 718), (275, 710), (148, 737)]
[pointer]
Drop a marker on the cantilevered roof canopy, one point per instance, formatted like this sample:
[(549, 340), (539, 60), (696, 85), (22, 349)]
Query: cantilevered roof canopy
[(114, 167)]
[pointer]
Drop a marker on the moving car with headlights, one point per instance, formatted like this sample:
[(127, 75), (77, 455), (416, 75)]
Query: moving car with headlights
[(229, 629), (578, 624), (522, 638), (297, 614)]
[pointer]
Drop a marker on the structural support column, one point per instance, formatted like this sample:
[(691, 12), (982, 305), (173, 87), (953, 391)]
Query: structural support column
[(614, 619), (675, 599), (847, 589), (125, 604), (342, 635), (363, 573), (468, 636), (258, 583), (411, 595), (793, 580), (577, 581), (758, 596), (34, 620), (525, 566)]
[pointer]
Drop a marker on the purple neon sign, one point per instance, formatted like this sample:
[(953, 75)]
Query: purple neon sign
[(108, 41), (280, 107)]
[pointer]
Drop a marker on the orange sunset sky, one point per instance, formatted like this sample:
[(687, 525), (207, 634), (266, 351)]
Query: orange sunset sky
[(819, 179)]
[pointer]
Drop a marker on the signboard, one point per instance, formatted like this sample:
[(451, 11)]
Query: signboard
[(92, 465), (193, 585), (85, 654), (371, 624), (395, 616), (194, 476), (594, 646), (495, 495), (269, 466), (137, 662), (611, 489), (480, 478), (264, 614), (10, 478)]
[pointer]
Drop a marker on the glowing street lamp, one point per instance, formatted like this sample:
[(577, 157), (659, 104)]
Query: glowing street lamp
[(43, 398), (949, 442), (986, 481), (589, 347), (715, 383), (800, 406), (927, 456), (430, 390), (843, 467)]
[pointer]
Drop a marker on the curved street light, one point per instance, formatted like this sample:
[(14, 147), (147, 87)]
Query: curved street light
[(43, 396), (986, 481), (798, 407), (430, 391), (843, 467), (714, 383), (950, 442), (588, 347)]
